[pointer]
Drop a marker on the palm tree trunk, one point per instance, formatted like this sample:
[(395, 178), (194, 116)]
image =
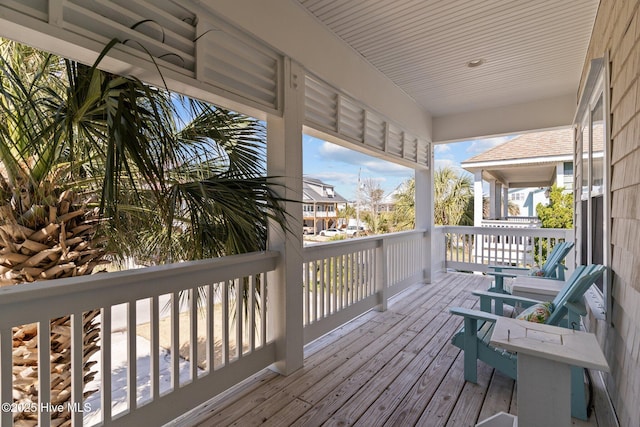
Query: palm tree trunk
[(63, 245)]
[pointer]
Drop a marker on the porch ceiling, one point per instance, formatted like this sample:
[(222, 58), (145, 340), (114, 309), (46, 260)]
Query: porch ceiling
[(532, 53), (520, 176)]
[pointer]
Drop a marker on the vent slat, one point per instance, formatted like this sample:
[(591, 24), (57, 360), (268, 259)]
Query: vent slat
[(38, 9), (100, 28), (330, 111)]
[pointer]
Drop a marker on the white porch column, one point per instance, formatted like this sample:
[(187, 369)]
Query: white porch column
[(424, 215), (477, 199), (505, 202), (560, 175), (494, 199), (284, 159)]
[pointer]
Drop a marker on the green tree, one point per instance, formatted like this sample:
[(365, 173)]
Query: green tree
[(468, 217), (559, 212), (94, 163), (513, 208), (373, 194), (347, 213), (452, 193), (404, 213)]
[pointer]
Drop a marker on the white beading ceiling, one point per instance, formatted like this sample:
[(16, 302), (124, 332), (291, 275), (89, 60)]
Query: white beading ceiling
[(532, 50)]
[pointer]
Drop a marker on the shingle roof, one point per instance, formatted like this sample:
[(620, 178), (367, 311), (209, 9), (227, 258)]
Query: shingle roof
[(309, 194), (531, 145)]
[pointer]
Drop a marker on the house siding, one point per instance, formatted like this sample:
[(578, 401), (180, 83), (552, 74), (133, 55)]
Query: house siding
[(617, 30)]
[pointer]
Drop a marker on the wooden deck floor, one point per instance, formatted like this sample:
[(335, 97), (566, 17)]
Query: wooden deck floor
[(392, 368)]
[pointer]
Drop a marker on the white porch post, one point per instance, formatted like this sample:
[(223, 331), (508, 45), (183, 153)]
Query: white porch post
[(494, 199), (505, 202), (477, 199), (560, 174), (424, 215), (284, 159)]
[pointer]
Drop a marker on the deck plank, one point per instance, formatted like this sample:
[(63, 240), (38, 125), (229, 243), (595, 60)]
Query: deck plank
[(325, 366), (380, 385), (399, 400), (384, 368), (440, 406), (470, 401), (499, 394), (350, 345)]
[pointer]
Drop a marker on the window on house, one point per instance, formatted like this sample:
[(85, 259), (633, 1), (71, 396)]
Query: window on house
[(568, 176), (593, 224)]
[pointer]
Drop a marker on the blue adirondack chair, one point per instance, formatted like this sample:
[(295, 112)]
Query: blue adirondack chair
[(474, 337), (551, 269)]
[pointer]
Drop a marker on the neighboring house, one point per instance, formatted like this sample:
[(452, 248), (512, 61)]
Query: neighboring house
[(521, 170), (320, 205), (388, 202)]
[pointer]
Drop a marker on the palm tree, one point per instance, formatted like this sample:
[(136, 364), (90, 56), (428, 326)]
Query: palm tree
[(373, 195), (404, 213), (452, 192), (513, 208), (85, 154)]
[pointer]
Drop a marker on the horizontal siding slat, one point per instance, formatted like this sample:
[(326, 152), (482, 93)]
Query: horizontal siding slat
[(37, 9), (244, 75), (330, 111), (95, 27), (231, 47), (158, 28), (176, 19)]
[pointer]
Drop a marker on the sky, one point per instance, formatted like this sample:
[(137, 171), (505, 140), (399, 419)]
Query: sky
[(339, 166), (455, 153)]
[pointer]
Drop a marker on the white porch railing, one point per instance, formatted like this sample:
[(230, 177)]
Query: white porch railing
[(345, 279), (138, 379), (513, 221), (473, 248), (160, 353)]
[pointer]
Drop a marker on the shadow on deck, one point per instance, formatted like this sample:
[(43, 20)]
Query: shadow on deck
[(383, 368)]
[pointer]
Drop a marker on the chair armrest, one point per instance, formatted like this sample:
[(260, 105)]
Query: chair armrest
[(506, 267), (502, 274), (473, 314), (505, 298), (577, 308)]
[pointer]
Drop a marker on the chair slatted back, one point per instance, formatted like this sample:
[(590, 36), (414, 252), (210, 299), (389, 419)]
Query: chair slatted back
[(554, 260), (574, 290)]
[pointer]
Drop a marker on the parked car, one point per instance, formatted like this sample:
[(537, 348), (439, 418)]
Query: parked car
[(330, 232), (308, 230), (352, 230)]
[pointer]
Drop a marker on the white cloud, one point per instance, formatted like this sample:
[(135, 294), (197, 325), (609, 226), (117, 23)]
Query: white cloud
[(443, 163), (342, 178), (329, 149), (369, 165), (481, 145), (441, 148)]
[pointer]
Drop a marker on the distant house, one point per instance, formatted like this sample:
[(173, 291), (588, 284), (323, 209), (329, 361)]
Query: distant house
[(388, 202), (320, 205), (521, 170)]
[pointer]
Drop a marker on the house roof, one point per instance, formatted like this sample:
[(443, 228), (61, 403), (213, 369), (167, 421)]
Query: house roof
[(311, 195), (529, 160), (531, 146)]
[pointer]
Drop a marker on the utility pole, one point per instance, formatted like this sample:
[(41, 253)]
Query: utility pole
[(358, 203)]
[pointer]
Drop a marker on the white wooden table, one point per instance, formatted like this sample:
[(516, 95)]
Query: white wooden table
[(536, 287), (545, 356)]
